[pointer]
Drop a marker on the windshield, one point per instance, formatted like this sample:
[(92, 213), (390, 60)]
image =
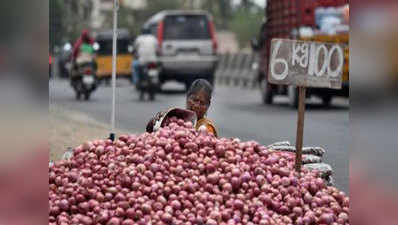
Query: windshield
[(105, 47), (186, 27)]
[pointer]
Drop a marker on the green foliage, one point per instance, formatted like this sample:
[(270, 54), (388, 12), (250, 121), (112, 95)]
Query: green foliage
[(65, 23), (133, 20), (244, 20), (221, 11), (57, 26), (246, 24)]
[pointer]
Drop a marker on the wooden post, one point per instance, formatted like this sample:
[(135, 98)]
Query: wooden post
[(300, 128)]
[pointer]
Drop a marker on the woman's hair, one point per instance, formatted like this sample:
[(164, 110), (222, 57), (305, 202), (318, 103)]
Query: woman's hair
[(200, 85)]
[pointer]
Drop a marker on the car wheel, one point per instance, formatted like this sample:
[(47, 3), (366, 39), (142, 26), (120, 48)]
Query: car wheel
[(292, 93), (266, 92)]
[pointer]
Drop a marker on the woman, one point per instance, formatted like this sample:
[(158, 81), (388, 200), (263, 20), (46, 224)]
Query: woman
[(198, 101), (84, 38)]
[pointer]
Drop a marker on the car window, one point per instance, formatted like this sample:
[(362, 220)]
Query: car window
[(154, 29), (186, 27)]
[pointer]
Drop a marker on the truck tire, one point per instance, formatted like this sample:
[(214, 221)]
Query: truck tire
[(266, 92), (292, 93), (326, 100)]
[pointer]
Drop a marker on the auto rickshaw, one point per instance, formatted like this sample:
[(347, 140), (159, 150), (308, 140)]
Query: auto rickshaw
[(103, 47)]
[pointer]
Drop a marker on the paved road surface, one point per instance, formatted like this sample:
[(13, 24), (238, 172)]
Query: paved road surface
[(236, 113)]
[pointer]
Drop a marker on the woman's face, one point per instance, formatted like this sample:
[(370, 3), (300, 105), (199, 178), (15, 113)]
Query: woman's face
[(199, 103)]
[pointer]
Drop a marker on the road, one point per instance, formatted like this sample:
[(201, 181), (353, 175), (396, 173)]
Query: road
[(236, 113)]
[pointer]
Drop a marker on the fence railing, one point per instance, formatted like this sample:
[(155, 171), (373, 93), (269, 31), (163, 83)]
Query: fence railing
[(237, 70)]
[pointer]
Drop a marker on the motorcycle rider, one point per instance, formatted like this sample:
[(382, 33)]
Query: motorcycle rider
[(84, 38), (83, 59), (84, 44), (145, 47)]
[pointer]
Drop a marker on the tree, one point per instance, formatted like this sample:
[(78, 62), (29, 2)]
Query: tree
[(133, 19), (221, 11), (246, 23), (57, 23), (225, 12)]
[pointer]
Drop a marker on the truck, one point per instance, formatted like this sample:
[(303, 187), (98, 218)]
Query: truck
[(310, 20)]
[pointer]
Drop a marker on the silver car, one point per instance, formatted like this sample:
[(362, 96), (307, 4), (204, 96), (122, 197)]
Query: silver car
[(187, 45)]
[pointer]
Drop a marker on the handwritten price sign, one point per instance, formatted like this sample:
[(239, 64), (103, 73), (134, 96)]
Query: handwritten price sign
[(306, 64)]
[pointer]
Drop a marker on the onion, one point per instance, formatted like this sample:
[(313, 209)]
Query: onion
[(327, 218), (179, 176), (236, 182), (343, 216), (114, 221), (63, 204), (176, 205), (213, 178)]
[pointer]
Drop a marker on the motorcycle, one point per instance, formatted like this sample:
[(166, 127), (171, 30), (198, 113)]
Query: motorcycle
[(149, 80), (84, 80)]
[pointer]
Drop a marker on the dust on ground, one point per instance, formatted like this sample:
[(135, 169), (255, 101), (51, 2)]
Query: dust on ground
[(71, 129)]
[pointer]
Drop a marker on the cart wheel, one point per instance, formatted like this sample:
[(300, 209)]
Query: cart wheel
[(326, 100)]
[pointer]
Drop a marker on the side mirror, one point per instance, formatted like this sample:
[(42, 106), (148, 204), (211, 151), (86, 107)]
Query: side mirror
[(254, 44)]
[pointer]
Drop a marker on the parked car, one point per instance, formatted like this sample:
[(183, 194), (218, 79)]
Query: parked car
[(187, 45)]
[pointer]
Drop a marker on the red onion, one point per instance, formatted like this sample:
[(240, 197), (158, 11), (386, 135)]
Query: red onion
[(114, 221), (179, 176), (63, 204)]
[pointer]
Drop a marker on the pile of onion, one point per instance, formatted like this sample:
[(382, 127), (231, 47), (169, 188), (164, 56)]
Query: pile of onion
[(179, 176)]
